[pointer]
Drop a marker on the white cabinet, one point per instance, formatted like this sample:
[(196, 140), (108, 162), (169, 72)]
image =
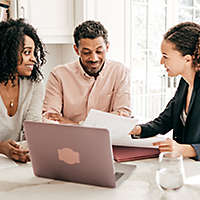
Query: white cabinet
[(54, 19)]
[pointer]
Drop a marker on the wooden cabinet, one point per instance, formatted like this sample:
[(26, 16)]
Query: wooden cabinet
[(54, 19)]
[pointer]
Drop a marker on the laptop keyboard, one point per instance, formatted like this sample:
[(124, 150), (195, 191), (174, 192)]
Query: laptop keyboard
[(118, 175)]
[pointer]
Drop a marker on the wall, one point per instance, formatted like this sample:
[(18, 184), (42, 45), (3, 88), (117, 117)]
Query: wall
[(58, 54), (94, 10), (111, 14)]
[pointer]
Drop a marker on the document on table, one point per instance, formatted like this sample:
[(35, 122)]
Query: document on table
[(144, 142), (6, 162), (119, 127)]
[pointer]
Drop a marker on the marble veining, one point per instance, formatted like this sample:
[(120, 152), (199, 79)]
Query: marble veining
[(20, 183)]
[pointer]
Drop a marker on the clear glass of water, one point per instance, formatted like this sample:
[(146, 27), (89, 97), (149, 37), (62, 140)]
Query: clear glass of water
[(170, 174)]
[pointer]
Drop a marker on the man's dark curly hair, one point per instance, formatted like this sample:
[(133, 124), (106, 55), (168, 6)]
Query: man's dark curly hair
[(90, 29), (12, 34)]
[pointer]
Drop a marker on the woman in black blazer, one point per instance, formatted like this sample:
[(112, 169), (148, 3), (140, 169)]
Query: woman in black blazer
[(180, 56)]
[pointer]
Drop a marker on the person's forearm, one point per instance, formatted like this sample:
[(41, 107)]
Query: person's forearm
[(187, 151), (64, 120), (3, 149)]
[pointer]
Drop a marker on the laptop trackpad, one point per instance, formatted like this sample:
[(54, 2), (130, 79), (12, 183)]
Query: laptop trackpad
[(123, 172)]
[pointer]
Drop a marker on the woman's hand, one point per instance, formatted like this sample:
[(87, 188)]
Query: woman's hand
[(12, 150), (170, 145), (136, 131)]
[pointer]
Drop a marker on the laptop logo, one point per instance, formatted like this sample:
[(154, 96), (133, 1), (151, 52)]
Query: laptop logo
[(68, 156)]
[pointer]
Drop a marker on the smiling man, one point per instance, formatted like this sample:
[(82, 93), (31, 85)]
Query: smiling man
[(91, 82)]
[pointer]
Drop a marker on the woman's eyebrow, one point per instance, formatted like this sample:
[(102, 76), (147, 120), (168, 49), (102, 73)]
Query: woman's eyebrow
[(28, 47)]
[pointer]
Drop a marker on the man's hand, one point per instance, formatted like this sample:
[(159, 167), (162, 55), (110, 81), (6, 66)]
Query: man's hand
[(12, 150), (57, 117), (121, 113)]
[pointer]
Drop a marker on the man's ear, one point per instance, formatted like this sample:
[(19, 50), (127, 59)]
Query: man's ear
[(76, 49), (107, 46), (188, 58)]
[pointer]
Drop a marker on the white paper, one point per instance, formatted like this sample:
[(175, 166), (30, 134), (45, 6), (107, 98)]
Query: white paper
[(119, 127), (6, 162), (145, 142)]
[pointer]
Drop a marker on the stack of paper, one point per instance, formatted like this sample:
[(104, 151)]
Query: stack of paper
[(119, 127)]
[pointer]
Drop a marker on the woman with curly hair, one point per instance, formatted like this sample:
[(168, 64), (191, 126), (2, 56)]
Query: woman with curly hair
[(180, 50), (21, 87)]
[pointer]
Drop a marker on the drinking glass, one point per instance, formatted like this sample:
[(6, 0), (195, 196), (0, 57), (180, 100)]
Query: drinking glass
[(170, 174)]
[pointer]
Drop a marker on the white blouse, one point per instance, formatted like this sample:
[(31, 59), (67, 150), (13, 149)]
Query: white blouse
[(31, 95), (183, 117)]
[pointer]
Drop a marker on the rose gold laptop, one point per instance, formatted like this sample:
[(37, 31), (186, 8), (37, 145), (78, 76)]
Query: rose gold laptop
[(74, 153)]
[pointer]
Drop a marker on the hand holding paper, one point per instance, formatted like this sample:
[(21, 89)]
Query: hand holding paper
[(119, 127)]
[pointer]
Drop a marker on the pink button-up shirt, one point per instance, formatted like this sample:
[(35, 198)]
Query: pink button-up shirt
[(72, 93)]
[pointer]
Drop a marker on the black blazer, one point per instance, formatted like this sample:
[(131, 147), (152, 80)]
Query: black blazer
[(170, 117)]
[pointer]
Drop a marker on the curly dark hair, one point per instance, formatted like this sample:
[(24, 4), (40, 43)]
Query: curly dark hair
[(186, 38), (12, 34), (90, 29)]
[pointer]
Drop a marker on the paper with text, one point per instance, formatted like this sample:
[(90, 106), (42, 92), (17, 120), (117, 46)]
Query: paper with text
[(119, 127)]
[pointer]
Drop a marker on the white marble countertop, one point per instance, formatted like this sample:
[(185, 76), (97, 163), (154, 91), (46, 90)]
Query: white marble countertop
[(19, 182)]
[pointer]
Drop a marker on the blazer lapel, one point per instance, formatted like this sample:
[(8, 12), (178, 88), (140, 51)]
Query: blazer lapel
[(180, 100), (195, 90), (191, 101)]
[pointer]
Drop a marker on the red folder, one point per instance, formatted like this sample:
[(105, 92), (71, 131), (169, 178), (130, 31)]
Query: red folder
[(122, 154)]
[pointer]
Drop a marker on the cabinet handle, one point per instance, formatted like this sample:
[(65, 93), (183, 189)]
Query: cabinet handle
[(175, 82), (168, 82)]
